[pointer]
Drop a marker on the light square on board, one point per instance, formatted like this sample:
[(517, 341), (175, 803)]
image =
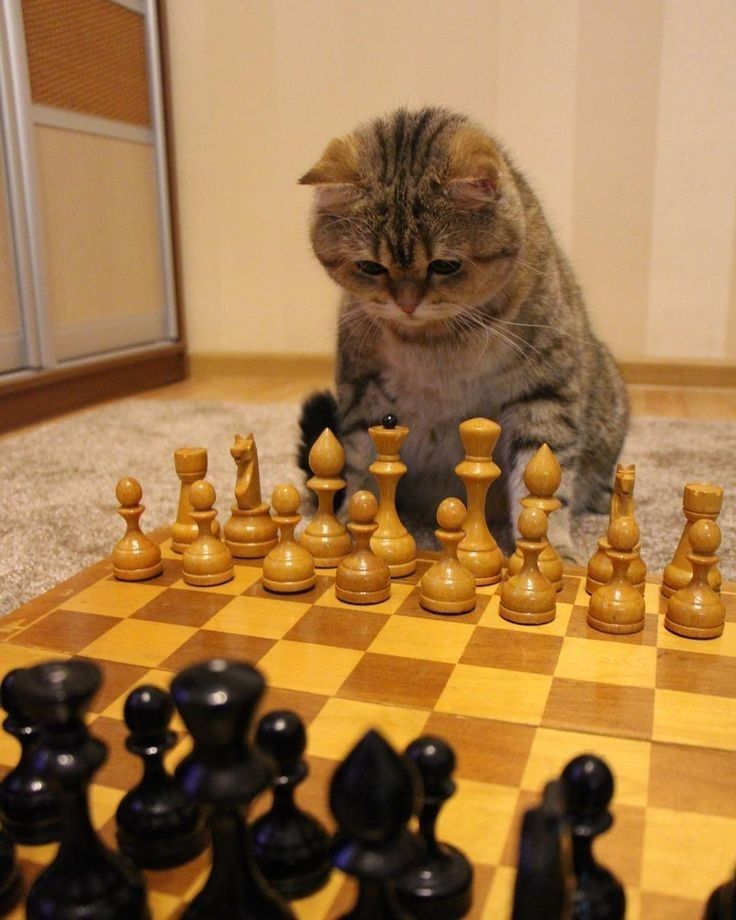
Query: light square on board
[(113, 598), (607, 662), (257, 616), (139, 642), (705, 843), (495, 693), (628, 758), (687, 718), (479, 814), (315, 668), (725, 644), (439, 640), (341, 724), (500, 900)]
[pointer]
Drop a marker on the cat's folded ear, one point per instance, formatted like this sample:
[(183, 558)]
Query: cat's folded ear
[(335, 175), (473, 169)]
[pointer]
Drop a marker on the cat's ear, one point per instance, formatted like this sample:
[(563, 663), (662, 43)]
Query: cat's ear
[(473, 169), (335, 175)]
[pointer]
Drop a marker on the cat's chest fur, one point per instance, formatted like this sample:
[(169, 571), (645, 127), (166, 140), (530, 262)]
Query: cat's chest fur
[(433, 390)]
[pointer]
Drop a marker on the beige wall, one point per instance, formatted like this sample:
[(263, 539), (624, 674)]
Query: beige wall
[(622, 114)]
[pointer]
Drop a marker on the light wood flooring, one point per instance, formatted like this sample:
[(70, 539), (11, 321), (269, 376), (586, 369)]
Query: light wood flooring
[(261, 384)]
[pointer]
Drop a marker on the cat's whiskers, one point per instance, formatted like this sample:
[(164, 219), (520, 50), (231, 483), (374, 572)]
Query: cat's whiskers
[(556, 326)]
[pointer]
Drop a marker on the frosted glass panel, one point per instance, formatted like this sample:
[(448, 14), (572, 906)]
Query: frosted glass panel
[(104, 283), (12, 352)]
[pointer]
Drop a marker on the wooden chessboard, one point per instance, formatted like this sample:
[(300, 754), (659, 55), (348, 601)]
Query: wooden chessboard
[(515, 702)]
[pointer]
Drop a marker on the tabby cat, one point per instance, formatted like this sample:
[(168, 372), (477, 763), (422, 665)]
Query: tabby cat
[(457, 302)]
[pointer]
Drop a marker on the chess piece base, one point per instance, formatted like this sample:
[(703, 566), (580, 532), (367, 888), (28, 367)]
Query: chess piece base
[(327, 549), (149, 571), (615, 629), (484, 566), (183, 535), (693, 632), (363, 597), (673, 579), (538, 618), (592, 585), (251, 533), (290, 587), (204, 581), (11, 893), (438, 606), (250, 550), (165, 853), (440, 887), (399, 569)]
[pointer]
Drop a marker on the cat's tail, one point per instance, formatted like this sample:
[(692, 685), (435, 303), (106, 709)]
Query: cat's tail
[(319, 411)]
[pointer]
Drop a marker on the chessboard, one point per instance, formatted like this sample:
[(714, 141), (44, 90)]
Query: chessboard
[(516, 703)]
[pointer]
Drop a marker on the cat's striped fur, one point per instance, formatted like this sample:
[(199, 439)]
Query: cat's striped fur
[(457, 302)]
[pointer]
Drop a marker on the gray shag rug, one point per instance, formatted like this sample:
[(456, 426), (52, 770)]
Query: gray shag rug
[(57, 480)]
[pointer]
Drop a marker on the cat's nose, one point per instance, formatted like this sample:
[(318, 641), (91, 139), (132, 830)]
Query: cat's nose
[(408, 308)]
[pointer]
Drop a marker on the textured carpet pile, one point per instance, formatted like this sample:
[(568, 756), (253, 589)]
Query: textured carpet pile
[(57, 481)]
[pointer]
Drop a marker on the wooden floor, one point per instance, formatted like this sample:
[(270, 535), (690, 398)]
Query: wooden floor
[(264, 384)]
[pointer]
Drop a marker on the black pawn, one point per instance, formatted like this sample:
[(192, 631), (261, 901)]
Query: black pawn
[(11, 884), (217, 700), (85, 880), (440, 887), (544, 880), (291, 847), (722, 902), (158, 825), (29, 807), (588, 788), (373, 794)]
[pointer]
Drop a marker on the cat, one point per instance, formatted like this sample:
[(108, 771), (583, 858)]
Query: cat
[(457, 302)]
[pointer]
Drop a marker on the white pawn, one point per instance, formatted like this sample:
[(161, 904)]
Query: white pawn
[(696, 611), (135, 556), (363, 577), (447, 586), (288, 567), (206, 561), (528, 597)]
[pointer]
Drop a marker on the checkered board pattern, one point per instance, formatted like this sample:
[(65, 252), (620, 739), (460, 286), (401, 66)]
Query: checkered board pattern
[(515, 702)]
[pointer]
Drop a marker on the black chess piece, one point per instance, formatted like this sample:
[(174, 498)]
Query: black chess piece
[(11, 883), (722, 902), (588, 788), (158, 826), (29, 806), (544, 880), (85, 880), (373, 794), (217, 700), (290, 846), (440, 886)]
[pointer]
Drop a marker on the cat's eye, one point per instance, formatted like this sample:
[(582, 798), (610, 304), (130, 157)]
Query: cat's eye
[(370, 268), (445, 266)]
